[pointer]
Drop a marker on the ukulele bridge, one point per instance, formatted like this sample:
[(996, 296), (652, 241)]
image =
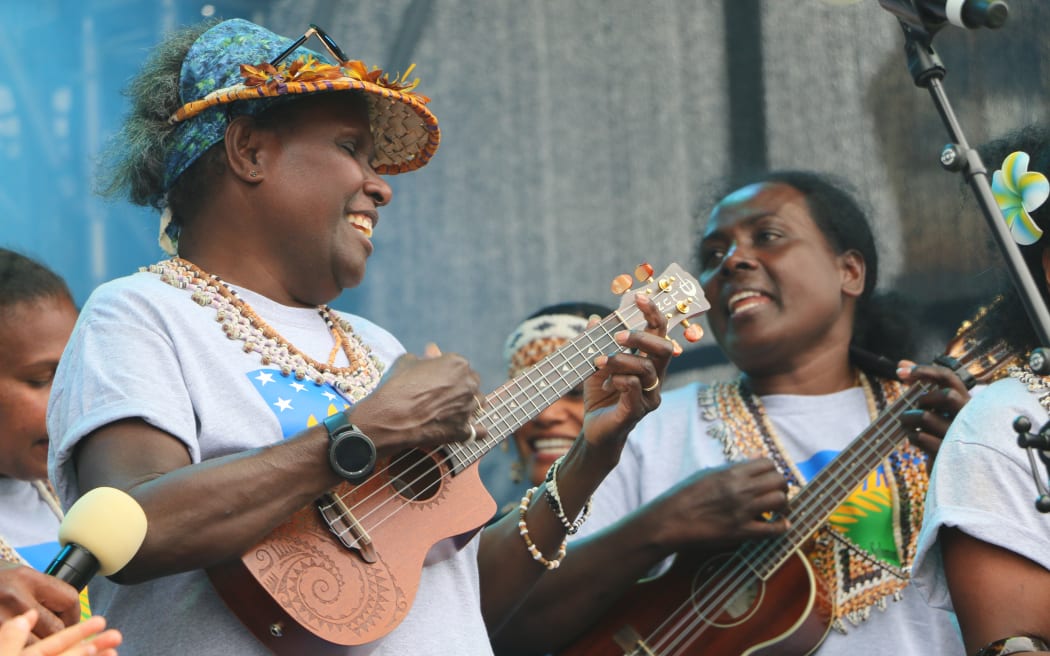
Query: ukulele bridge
[(632, 644), (345, 526)]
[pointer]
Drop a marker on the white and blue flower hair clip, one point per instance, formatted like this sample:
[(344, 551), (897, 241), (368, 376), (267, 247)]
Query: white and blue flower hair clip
[(1018, 192)]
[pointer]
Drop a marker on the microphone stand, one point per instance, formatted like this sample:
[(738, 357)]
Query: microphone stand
[(927, 71)]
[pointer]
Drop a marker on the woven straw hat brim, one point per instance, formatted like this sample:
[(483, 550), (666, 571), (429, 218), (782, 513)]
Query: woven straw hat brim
[(405, 132)]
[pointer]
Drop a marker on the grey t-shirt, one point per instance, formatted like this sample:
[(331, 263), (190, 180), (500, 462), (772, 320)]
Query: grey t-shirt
[(143, 348), (27, 523), (982, 484), (675, 441)]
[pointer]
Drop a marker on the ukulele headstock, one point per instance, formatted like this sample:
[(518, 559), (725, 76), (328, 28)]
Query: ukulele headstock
[(675, 292), (982, 348)]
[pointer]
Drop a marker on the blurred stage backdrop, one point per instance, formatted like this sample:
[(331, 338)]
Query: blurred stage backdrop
[(580, 138)]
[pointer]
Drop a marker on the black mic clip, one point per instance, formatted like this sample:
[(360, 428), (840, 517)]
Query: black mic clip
[(1040, 443), (926, 17)]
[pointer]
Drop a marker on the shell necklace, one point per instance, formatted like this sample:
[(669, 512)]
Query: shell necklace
[(240, 322)]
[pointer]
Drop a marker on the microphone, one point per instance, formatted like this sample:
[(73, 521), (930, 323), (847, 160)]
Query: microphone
[(100, 534), (930, 15)]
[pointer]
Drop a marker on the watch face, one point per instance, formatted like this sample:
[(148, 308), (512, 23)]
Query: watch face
[(353, 454)]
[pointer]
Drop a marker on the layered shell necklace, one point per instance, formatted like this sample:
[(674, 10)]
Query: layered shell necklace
[(240, 322)]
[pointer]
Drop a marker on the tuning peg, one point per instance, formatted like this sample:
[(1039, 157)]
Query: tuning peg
[(693, 332), (621, 284), (644, 272)]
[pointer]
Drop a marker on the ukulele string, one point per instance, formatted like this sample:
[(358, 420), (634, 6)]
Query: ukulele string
[(689, 626), (492, 410), (711, 604), (504, 430), (438, 457), (999, 354), (582, 367), (623, 317), (435, 455), (833, 488)]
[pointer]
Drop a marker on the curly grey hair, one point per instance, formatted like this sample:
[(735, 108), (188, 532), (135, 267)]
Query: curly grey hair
[(133, 164)]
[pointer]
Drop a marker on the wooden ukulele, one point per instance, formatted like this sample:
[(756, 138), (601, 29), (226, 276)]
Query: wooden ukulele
[(765, 597), (345, 573)]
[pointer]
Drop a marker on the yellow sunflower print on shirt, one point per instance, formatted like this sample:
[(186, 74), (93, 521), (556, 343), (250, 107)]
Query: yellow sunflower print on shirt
[(866, 515), (866, 518)]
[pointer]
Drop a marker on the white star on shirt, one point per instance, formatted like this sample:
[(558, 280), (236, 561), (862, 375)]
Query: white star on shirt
[(298, 387), (328, 395), (283, 404), (264, 377)]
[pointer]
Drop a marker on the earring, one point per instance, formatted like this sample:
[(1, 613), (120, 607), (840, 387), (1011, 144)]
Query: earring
[(253, 173)]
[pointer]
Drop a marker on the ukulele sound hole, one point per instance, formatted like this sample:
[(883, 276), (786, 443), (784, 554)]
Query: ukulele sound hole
[(726, 592), (415, 475)]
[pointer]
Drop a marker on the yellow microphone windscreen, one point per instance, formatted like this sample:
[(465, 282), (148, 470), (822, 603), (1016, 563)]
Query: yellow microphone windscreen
[(107, 522)]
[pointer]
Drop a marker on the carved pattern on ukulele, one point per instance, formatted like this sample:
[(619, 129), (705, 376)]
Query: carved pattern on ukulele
[(305, 578)]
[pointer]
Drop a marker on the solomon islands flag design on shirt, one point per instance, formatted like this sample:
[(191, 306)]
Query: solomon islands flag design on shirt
[(297, 404)]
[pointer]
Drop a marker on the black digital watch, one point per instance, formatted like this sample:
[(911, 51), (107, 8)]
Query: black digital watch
[(350, 452)]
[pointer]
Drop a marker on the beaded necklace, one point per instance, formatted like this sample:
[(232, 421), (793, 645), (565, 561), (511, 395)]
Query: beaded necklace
[(1035, 383), (240, 322), (738, 419)]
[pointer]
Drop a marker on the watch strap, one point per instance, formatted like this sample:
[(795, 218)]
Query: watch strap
[(335, 423)]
